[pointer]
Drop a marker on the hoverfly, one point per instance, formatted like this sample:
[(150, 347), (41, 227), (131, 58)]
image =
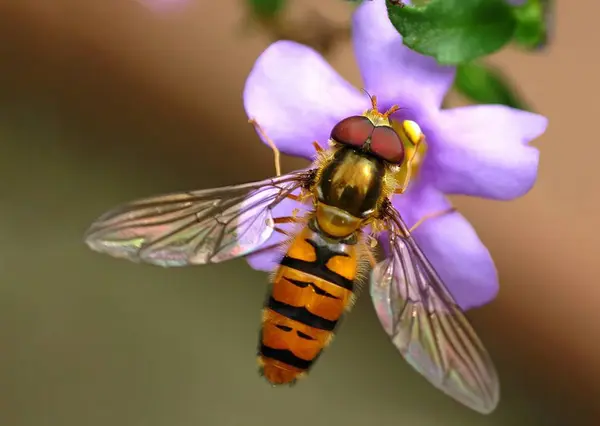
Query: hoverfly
[(348, 188)]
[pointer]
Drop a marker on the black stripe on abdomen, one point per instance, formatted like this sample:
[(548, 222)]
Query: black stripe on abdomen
[(285, 356), (301, 315), (318, 290), (319, 270)]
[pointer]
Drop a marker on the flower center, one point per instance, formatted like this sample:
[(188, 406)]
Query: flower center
[(409, 150)]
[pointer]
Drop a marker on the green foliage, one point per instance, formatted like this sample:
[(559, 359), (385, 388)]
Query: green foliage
[(455, 31), (266, 8), (485, 85), (532, 23)]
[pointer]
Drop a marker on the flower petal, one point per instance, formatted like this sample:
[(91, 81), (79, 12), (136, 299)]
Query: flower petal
[(297, 97), (482, 151), (268, 260), (390, 70), (451, 245)]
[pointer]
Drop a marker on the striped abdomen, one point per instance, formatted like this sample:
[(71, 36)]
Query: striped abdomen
[(311, 290)]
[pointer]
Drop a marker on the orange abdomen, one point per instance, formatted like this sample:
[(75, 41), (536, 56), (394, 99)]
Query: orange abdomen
[(311, 290)]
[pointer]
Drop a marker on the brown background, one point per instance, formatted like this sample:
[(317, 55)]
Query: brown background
[(105, 101)]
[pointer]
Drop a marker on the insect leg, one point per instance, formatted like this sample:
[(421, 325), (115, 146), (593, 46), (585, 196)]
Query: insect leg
[(267, 139), (300, 198), (283, 220), (294, 197), (286, 219), (282, 232), (431, 216), (371, 258), (317, 147)]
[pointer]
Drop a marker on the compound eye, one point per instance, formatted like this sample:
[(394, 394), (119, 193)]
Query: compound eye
[(386, 144), (353, 131)]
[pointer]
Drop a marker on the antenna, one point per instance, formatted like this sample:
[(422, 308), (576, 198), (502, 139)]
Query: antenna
[(373, 99)]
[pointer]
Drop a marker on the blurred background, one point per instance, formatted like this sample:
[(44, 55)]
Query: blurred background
[(106, 101)]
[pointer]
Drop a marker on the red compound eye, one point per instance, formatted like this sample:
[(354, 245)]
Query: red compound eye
[(386, 144), (353, 131)]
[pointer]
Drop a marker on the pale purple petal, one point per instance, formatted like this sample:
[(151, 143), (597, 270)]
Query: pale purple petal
[(451, 245), (268, 260), (297, 97), (482, 151), (392, 71)]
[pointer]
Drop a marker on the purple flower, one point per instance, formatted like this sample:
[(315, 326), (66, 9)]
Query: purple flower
[(482, 151)]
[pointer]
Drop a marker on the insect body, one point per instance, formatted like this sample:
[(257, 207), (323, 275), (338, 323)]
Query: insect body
[(315, 282), (326, 256), (312, 288)]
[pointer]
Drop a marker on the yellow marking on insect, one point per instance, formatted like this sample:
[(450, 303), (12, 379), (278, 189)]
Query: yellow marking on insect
[(413, 131), (344, 266), (415, 148), (301, 249)]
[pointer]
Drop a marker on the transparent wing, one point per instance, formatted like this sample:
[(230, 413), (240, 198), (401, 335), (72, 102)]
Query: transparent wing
[(197, 227), (428, 327)]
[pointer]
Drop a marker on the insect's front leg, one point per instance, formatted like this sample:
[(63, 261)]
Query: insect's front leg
[(276, 153), (431, 216)]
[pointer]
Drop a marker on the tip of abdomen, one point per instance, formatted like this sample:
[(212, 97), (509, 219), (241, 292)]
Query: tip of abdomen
[(278, 373)]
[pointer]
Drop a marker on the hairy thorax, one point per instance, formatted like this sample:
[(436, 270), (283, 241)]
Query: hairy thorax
[(348, 191)]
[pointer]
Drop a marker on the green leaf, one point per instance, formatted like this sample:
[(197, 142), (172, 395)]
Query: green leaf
[(455, 31), (266, 8), (486, 85), (533, 20)]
